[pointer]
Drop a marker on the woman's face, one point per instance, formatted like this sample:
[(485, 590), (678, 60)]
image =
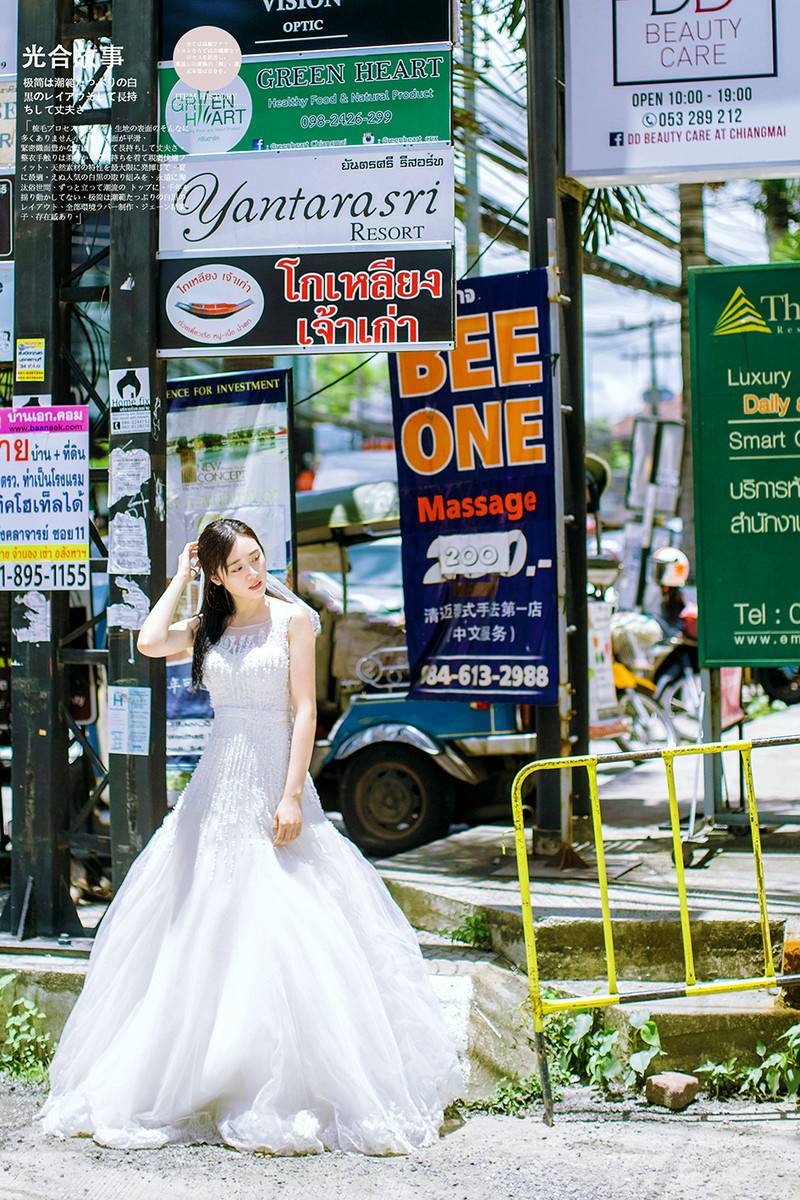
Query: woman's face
[(245, 572)]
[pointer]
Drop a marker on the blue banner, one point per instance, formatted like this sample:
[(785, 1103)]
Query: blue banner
[(475, 460)]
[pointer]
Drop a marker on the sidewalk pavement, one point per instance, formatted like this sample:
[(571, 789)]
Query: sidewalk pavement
[(471, 867)]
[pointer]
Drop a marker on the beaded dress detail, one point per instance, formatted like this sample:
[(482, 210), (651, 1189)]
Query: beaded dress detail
[(267, 998)]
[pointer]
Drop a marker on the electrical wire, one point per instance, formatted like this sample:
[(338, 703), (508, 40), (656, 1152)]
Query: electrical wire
[(370, 357)]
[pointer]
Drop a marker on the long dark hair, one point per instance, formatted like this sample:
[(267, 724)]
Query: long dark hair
[(213, 550)]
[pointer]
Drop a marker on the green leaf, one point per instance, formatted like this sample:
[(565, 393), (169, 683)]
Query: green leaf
[(580, 1027), (641, 1060)]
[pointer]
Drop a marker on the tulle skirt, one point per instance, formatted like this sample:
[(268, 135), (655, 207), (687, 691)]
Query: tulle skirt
[(270, 999)]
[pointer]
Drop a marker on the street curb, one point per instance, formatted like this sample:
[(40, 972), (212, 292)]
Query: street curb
[(647, 949)]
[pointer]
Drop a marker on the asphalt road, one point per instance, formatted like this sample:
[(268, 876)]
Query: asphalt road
[(595, 1149)]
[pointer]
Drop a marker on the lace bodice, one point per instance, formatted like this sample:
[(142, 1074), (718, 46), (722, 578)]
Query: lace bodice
[(248, 668)]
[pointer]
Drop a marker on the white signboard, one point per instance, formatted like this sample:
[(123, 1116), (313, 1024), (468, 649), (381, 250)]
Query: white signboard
[(673, 90), (44, 473), (356, 198), (129, 720)]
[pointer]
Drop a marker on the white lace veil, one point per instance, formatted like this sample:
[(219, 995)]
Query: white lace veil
[(282, 592)]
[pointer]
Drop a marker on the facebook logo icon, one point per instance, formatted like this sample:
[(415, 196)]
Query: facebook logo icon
[(258, 143), (616, 139)]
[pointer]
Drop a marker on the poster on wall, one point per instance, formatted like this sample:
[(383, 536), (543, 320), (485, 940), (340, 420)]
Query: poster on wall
[(8, 123), (475, 459), (317, 302), (672, 90), (228, 454), (44, 530), (339, 198), (363, 99), (266, 26), (745, 326)]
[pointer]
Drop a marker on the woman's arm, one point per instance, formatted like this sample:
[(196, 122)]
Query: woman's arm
[(158, 638), (288, 820)]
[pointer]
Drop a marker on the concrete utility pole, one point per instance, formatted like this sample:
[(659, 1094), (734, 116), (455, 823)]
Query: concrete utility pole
[(138, 788), (549, 198), (472, 199), (693, 254)]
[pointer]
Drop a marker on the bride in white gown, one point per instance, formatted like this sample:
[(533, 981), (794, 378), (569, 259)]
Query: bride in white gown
[(252, 982)]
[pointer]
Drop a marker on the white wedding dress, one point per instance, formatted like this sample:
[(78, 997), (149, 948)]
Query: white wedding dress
[(268, 998)]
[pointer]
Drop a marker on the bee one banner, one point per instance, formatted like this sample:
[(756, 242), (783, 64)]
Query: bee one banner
[(475, 460), (315, 302), (267, 26), (339, 198), (677, 90), (347, 99)]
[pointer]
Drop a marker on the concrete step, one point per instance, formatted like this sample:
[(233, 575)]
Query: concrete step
[(647, 948), (695, 1029)]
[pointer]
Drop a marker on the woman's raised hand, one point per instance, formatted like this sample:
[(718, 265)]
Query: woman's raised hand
[(188, 565)]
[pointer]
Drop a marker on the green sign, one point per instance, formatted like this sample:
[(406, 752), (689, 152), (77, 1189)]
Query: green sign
[(745, 324), (352, 99)]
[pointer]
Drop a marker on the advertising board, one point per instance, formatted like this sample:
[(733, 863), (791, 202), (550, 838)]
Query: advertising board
[(266, 26), (672, 90), (44, 515), (349, 99), (476, 469), (357, 198), (745, 324), (315, 302)]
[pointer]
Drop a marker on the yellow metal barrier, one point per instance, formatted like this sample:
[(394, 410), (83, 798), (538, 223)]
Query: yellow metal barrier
[(542, 1007)]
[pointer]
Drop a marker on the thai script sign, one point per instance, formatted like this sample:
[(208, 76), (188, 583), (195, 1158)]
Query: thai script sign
[(746, 417), (353, 99), (309, 302), (474, 436), (337, 198), (44, 498), (681, 89), (266, 26)]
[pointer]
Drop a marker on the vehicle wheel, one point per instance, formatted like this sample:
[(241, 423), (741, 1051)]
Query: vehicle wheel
[(682, 699), (394, 798), (781, 683), (651, 727)]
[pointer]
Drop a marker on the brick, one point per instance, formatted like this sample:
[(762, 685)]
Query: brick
[(791, 961), (672, 1090)]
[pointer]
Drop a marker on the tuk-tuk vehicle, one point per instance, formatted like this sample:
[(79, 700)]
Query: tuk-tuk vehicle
[(400, 770)]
